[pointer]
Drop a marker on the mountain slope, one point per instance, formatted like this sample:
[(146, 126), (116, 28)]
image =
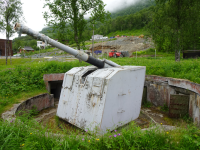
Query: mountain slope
[(142, 4)]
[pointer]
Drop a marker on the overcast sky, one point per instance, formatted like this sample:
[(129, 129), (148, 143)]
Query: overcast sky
[(33, 9)]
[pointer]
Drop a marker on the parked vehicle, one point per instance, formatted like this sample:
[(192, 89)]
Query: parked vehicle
[(17, 55), (98, 52), (116, 54)]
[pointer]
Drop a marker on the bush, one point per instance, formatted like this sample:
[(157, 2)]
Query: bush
[(24, 78), (48, 47)]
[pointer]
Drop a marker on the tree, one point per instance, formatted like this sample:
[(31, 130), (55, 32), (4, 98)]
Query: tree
[(10, 13), (174, 24), (69, 14), (17, 44)]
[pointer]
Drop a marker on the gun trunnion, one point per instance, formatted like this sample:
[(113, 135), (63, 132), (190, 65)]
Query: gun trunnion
[(100, 97)]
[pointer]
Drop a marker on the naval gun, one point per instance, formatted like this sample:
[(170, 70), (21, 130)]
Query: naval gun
[(98, 97)]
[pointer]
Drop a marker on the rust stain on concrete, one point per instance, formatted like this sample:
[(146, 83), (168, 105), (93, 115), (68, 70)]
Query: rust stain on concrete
[(198, 101)]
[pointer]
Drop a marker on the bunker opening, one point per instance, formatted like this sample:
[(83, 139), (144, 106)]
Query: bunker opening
[(55, 89)]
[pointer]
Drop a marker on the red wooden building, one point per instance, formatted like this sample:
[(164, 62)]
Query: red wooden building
[(4, 47), (26, 49)]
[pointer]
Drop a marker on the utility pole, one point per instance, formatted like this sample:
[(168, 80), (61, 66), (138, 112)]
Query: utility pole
[(102, 45), (5, 53), (93, 42)]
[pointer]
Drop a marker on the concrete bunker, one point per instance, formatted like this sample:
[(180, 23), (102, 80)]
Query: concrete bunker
[(180, 96)]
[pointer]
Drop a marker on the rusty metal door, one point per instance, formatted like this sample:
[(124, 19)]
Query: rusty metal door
[(179, 105)]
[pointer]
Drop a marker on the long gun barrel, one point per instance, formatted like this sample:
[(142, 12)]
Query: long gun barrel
[(77, 53)]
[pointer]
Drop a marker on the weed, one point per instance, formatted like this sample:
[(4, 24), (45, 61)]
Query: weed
[(164, 108), (34, 111), (57, 120), (147, 104), (187, 118)]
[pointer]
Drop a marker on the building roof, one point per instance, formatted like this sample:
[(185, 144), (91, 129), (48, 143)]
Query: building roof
[(28, 48), (3, 40)]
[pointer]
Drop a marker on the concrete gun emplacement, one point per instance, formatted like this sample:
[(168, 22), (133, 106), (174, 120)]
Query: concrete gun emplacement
[(103, 96)]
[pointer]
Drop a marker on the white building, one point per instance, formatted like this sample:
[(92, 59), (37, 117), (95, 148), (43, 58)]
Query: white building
[(41, 44), (97, 37)]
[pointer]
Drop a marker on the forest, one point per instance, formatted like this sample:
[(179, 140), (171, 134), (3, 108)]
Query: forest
[(173, 25)]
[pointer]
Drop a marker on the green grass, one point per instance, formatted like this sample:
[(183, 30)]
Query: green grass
[(25, 133), (16, 62), (152, 52), (134, 32), (166, 66), (89, 42)]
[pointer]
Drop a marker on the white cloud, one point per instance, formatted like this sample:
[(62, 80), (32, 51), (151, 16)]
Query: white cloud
[(114, 5)]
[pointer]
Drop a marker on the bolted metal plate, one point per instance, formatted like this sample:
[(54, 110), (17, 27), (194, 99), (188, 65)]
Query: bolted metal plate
[(179, 105)]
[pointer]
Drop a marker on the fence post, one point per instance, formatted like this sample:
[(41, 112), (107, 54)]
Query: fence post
[(136, 54)]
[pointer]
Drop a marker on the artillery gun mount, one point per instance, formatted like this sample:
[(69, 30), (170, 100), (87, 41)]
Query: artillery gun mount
[(103, 96)]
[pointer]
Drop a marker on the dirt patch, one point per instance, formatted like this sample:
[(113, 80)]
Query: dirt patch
[(130, 44), (48, 118), (148, 116)]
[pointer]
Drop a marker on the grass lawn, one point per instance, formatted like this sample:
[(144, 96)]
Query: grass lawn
[(26, 80), (16, 62), (26, 133)]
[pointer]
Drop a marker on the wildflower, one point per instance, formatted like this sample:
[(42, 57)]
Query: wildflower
[(97, 139), (60, 144), (115, 135), (89, 141), (161, 123), (167, 132), (83, 139), (109, 136), (115, 130), (118, 134), (30, 133), (86, 130), (22, 144)]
